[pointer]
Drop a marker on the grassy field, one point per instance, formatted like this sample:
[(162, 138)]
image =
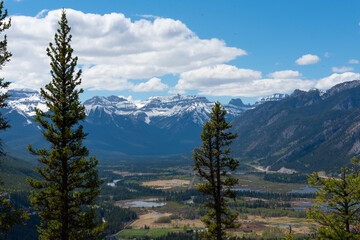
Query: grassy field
[(132, 233), (152, 232), (166, 184), (256, 182), (158, 232)]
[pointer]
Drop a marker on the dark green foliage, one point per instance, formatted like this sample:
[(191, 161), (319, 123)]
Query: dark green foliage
[(14, 172), (9, 217), (181, 196), (285, 178), (116, 217), (123, 191), (212, 163), (178, 236), (65, 197), (273, 195), (272, 204), (4, 58), (337, 206), (26, 232), (163, 219)]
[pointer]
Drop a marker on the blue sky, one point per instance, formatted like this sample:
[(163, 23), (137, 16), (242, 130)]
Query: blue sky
[(220, 49)]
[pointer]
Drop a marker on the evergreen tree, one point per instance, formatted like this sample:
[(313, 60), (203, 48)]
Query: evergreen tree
[(4, 58), (9, 217), (65, 198), (212, 163), (337, 205)]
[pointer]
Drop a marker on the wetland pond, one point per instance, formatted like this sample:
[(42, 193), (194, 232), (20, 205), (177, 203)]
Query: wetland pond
[(150, 202)]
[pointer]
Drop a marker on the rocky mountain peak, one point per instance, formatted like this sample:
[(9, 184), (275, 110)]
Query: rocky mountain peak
[(111, 100), (341, 87), (237, 102)]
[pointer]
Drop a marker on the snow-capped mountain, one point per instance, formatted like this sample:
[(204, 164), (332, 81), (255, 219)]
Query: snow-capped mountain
[(157, 109), (271, 98), (24, 102), (118, 126)]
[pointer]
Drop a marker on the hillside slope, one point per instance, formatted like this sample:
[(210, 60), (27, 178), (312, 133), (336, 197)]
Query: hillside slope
[(307, 131)]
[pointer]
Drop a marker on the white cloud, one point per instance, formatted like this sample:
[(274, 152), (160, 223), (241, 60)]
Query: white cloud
[(215, 76), (342, 69), (307, 59), (258, 87), (286, 74), (336, 78), (227, 80), (353, 61), (154, 84), (147, 16), (112, 49), (42, 13)]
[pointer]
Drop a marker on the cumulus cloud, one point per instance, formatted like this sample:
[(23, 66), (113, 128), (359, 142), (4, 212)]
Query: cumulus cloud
[(307, 59), (286, 74), (154, 84), (112, 49), (259, 87), (337, 78), (214, 76), (353, 61), (227, 80), (342, 69)]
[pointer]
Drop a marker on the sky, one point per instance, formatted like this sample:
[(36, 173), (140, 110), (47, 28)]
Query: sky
[(221, 49)]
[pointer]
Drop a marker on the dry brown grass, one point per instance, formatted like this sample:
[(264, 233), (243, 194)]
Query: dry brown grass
[(149, 219), (166, 184), (298, 224)]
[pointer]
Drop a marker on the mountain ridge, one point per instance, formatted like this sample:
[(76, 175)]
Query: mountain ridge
[(309, 130), (119, 127)]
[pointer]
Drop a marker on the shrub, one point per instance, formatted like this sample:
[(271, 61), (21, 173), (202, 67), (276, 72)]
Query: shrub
[(164, 219)]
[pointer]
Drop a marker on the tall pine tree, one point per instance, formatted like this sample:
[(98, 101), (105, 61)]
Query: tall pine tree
[(9, 216), (212, 163), (65, 197)]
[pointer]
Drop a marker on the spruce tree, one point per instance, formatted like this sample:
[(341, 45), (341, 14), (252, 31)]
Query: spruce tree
[(212, 163), (9, 216), (5, 56), (336, 211), (65, 198)]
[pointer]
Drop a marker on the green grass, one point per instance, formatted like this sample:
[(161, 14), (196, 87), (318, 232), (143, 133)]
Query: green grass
[(153, 232), (158, 232), (132, 233)]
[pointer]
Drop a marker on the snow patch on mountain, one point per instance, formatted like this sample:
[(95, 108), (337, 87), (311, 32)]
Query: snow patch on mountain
[(25, 101), (274, 97), (151, 111)]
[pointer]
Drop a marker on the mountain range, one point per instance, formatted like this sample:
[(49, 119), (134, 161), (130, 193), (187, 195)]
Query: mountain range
[(305, 131), (120, 127)]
